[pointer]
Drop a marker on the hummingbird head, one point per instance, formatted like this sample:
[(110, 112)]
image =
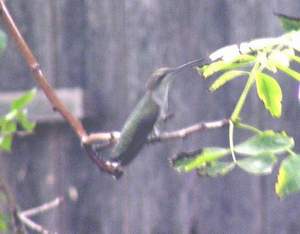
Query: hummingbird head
[(157, 77), (162, 76)]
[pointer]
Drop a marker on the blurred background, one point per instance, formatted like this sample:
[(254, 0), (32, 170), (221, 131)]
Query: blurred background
[(105, 50)]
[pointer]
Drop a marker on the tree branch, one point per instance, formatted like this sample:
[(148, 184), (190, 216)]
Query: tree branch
[(24, 215), (32, 225), (56, 103), (38, 73), (185, 132), (113, 137), (43, 208)]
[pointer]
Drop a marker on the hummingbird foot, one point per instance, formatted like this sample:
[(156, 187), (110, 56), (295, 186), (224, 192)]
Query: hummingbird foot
[(114, 168), (167, 117), (155, 132)]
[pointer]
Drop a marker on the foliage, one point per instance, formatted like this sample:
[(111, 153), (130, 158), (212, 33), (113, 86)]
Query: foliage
[(289, 23), (3, 223), (14, 119), (259, 155), (17, 117), (3, 41), (257, 61), (289, 176)]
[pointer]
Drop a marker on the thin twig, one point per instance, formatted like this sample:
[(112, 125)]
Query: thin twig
[(184, 132), (24, 215), (43, 208), (32, 225)]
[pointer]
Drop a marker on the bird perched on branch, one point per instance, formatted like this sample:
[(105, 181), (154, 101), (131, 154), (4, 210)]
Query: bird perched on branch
[(143, 119)]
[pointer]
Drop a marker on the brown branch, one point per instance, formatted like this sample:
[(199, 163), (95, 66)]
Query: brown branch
[(38, 73), (56, 103)]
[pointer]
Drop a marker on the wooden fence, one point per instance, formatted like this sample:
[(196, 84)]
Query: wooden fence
[(107, 49)]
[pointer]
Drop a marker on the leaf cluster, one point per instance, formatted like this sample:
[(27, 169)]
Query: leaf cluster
[(257, 61), (16, 119)]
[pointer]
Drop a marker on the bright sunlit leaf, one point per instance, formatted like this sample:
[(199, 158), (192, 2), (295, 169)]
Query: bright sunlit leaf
[(6, 142), (295, 58), (288, 180), (9, 127), (24, 100), (25, 123), (11, 115), (294, 74), (270, 93), (241, 60), (226, 77)]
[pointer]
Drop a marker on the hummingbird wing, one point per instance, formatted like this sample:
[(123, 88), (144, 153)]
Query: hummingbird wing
[(136, 130)]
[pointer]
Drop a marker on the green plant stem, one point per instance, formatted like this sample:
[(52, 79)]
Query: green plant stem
[(248, 127), (231, 144), (239, 106)]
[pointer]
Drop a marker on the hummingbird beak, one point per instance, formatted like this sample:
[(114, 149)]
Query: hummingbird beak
[(192, 63)]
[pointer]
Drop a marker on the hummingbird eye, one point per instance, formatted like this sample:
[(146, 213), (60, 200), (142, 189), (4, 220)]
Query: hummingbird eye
[(156, 78)]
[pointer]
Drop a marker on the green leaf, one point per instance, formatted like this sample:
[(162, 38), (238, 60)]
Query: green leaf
[(226, 77), (265, 142), (8, 127), (216, 168), (3, 41), (212, 68), (269, 92), (10, 116), (221, 65), (289, 23), (295, 58), (186, 162), (24, 100), (294, 74), (25, 123), (259, 165), (2, 120), (288, 179), (6, 142), (3, 224)]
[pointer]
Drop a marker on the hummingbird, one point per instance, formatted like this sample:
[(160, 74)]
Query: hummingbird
[(151, 109)]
